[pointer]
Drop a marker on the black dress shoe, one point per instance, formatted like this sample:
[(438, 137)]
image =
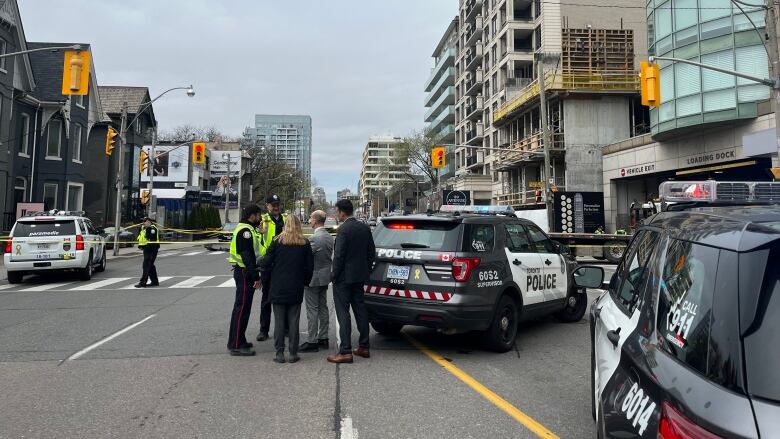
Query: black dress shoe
[(154, 284), (323, 343), (243, 352), (294, 358), (140, 285), (279, 358), (309, 347), (262, 336), (247, 345)]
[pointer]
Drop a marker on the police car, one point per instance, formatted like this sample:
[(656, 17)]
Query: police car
[(686, 339), (469, 268), (54, 240)]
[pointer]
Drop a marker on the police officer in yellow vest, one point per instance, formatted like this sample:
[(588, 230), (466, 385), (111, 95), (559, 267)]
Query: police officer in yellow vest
[(273, 224), (245, 249), (149, 242)]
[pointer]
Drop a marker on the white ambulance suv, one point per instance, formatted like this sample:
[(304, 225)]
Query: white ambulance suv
[(54, 241)]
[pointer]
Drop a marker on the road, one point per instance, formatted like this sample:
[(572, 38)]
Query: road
[(102, 359)]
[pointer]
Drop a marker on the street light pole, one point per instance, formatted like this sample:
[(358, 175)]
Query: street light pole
[(226, 156), (547, 174), (118, 213), (151, 212)]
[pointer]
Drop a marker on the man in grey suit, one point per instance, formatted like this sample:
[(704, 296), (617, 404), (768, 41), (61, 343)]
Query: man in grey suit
[(316, 293)]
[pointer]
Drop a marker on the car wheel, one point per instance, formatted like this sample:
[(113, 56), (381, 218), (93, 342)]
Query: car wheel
[(500, 336), (387, 328), (613, 251), (15, 277), (576, 305), (86, 272), (102, 267)]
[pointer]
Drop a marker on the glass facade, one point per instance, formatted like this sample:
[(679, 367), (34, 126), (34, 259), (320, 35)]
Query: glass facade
[(712, 32)]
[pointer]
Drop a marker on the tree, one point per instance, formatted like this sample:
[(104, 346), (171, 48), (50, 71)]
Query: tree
[(189, 133), (413, 156), (273, 176)]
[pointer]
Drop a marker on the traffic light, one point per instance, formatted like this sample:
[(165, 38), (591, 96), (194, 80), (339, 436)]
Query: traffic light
[(650, 83), (198, 153), (110, 140), (438, 157), (775, 173), (144, 197), (75, 72), (144, 161)]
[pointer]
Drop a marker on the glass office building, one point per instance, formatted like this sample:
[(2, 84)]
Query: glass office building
[(713, 32), (289, 136)]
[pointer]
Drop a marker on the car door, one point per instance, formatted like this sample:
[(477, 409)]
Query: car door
[(526, 265), (98, 241), (617, 315), (556, 280)]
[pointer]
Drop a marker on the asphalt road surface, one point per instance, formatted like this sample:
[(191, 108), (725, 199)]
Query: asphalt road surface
[(102, 359)]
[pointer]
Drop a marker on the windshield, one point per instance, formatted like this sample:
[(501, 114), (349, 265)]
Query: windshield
[(29, 229), (229, 226), (428, 235)]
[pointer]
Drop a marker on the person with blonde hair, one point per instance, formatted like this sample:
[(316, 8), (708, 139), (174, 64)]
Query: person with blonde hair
[(289, 263)]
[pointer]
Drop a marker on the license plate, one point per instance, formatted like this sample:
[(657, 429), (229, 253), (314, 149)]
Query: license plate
[(397, 272), (43, 256)]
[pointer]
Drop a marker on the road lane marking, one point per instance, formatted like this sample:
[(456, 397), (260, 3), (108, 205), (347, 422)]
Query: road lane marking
[(99, 284), (528, 422), (45, 287), (193, 253), (160, 279), (107, 339), (191, 282), (347, 430), (227, 283), (6, 286)]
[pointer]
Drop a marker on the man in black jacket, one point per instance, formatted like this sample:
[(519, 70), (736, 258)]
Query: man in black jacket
[(353, 260), (244, 250)]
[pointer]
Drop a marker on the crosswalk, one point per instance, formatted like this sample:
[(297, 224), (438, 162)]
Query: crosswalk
[(123, 283)]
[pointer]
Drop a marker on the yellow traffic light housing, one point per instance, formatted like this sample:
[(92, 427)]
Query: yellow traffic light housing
[(110, 140), (144, 159), (144, 197), (75, 72), (198, 153), (775, 173), (650, 84), (438, 157)]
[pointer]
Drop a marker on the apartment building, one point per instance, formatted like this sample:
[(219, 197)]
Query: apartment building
[(378, 172), (288, 135), (440, 98)]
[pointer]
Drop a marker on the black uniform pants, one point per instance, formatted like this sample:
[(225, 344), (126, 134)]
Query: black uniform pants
[(344, 296), (149, 270), (265, 304), (239, 320)]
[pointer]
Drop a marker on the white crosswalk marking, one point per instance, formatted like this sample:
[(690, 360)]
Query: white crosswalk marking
[(6, 286), (160, 279), (45, 287), (191, 282), (100, 284), (165, 255), (193, 253), (227, 284)]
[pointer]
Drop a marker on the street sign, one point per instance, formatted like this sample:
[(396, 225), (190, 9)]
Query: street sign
[(456, 198)]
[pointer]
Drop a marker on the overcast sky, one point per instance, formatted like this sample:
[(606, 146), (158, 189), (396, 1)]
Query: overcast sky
[(358, 67)]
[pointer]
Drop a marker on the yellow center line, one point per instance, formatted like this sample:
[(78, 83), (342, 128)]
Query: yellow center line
[(527, 421)]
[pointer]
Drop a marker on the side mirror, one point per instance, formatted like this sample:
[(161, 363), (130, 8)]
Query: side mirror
[(588, 276), (562, 248)]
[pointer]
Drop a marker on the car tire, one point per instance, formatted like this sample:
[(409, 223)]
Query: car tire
[(86, 272), (613, 251), (387, 328), (572, 313), (15, 277), (102, 267), (500, 336)]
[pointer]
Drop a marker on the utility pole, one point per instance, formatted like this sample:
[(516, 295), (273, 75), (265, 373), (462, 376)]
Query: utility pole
[(227, 190), (151, 212), (772, 31), (118, 213), (547, 174)]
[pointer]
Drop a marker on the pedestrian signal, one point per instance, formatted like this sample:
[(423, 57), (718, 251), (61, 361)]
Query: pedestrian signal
[(538, 196), (650, 84), (438, 157), (144, 160), (110, 140), (75, 73), (198, 153)]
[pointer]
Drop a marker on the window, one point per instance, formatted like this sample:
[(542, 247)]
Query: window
[(80, 100), (49, 196), (540, 242), (716, 9), (685, 302), (663, 20), (20, 190), (53, 139), (24, 135), (517, 239), (685, 13), (478, 238), (633, 271), (3, 50), (76, 145), (75, 196), (435, 236)]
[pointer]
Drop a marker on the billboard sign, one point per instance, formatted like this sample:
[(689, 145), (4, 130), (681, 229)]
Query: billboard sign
[(171, 163), (457, 198), (218, 166), (579, 212)]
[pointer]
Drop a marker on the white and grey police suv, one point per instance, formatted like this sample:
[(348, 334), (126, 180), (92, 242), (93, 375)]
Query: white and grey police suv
[(54, 240), (469, 268), (686, 340)]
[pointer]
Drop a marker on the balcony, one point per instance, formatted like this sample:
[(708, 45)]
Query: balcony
[(446, 117), (525, 196), (447, 57), (474, 135), (475, 32), (447, 98), (474, 107), (528, 149), (446, 133), (474, 87), (447, 79), (473, 8), (474, 58)]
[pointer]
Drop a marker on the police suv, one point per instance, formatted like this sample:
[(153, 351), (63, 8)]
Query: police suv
[(686, 339), (54, 240), (469, 268)]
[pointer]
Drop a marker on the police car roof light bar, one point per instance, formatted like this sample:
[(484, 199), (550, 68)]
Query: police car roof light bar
[(480, 210), (711, 191), (55, 212)]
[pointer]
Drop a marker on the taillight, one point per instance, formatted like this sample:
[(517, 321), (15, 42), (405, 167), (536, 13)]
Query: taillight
[(674, 425), (399, 226), (462, 267), (8, 246), (79, 242)]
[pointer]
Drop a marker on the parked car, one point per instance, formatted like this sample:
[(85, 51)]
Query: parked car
[(126, 237), (223, 237)]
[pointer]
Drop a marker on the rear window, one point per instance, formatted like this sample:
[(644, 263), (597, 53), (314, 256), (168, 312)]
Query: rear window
[(426, 235), (30, 229)]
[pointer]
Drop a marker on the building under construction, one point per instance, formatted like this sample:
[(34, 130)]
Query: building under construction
[(592, 99)]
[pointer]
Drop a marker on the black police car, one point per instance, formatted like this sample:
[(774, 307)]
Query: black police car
[(469, 268), (686, 339)]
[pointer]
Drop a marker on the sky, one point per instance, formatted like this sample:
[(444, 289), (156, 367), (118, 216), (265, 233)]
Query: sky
[(357, 67)]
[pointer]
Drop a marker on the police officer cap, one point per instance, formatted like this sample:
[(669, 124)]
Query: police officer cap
[(273, 199)]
